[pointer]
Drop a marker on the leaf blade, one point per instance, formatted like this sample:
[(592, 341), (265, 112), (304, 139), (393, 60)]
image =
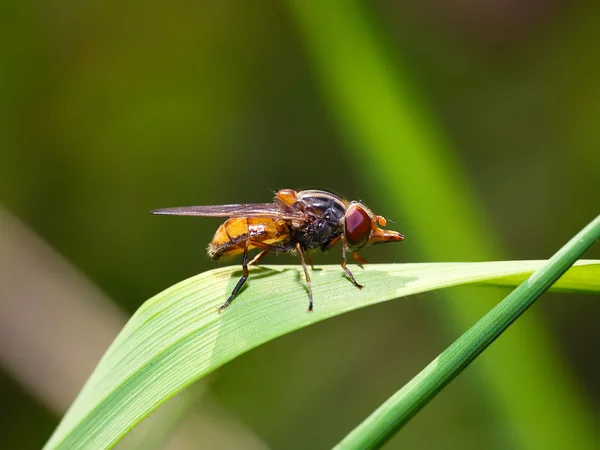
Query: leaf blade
[(177, 336)]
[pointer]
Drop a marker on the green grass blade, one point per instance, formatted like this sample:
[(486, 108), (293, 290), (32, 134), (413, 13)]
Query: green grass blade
[(380, 426), (177, 337)]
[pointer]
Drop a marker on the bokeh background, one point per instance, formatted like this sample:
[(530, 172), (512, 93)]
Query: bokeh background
[(473, 125)]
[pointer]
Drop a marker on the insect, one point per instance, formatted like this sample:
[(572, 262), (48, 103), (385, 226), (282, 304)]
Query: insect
[(296, 222)]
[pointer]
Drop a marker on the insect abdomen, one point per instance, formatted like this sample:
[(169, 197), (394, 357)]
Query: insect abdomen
[(231, 237)]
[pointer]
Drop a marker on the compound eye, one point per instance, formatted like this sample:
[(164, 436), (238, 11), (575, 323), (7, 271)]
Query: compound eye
[(358, 226)]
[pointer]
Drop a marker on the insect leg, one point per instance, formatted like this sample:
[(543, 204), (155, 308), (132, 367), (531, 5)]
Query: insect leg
[(331, 243), (271, 247), (344, 265), (309, 259), (358, 258), (258, 257), (310, 296), (240, 283)]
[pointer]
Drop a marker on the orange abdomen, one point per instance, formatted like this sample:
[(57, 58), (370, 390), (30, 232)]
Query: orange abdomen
[(231, 237)]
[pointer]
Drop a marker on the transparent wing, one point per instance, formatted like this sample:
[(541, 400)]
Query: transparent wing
[(239, 210)]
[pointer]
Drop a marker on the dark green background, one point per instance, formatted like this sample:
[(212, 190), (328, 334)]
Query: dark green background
[(109, 110)]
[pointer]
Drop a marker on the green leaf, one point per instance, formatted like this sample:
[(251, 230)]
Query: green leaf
[(177, 336)]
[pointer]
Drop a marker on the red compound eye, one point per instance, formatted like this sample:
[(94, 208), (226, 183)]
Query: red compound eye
[(358, 226)]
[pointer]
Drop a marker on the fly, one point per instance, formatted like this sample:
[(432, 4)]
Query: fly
[(296, 222)]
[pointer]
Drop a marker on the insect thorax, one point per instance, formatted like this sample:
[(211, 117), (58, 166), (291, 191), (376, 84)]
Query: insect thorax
[(326, 211)]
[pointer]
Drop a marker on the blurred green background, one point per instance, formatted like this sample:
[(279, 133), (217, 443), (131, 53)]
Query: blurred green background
[(474, 126)]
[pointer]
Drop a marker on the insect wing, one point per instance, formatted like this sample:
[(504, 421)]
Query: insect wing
[(238, 210)]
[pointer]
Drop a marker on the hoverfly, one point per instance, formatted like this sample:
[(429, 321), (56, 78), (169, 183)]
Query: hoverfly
[(296, 222)]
